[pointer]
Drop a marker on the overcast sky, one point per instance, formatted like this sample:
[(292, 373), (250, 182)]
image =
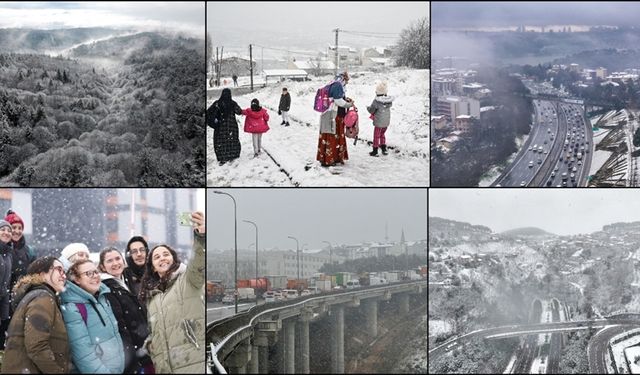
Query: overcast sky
[(340, 216), (172, 16), (488, 14), (239, 23), (559, 211)]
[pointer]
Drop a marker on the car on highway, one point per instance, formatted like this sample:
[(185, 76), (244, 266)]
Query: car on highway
[(531, 164), (574, 170), (573, 176), (564, 176), (579, 162), (539, 161), (523, 184), (564, 183), (228, 299)]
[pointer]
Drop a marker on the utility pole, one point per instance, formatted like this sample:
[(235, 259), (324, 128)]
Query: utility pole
[(251, 64), (336, 67)]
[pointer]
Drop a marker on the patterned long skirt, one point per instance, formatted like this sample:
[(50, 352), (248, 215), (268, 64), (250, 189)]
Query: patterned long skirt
[(332, 148)]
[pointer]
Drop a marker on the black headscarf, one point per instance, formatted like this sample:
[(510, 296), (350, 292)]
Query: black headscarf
[(225, 103)]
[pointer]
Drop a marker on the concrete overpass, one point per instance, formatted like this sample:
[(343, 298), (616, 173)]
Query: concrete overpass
[(275, 337)]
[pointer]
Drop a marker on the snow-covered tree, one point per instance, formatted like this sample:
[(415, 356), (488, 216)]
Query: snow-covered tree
[(413, 48)]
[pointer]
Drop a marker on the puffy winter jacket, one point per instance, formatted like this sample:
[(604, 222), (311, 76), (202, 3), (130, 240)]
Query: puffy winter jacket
[(380, 108), (176, 319), (285, 102), (5, 279), (256, 122), (37, 336), (132, 322), (96, 346)]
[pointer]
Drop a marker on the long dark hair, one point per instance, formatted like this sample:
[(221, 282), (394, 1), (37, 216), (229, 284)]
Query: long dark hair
[(151, 280)]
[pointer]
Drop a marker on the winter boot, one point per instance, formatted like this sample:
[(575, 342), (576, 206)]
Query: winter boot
[(374, 152), (287, 124), (384, 149), (282, 123)]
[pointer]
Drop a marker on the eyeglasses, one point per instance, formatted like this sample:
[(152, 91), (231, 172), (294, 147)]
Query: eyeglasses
[(141, 250), (91, 273), (59, 269)]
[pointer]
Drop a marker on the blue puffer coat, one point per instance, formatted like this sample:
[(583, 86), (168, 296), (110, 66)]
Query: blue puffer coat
[(96, 347)]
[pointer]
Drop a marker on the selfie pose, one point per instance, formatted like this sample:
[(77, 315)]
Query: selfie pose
[(174, 296)]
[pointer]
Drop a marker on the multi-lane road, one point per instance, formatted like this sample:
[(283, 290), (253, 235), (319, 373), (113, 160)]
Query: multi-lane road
[(557, 151), (596, 351)]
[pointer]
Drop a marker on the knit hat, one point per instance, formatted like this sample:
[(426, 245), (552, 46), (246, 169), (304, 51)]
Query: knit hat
[(74, 248), (381, 89), (4, 223), (13, 218)]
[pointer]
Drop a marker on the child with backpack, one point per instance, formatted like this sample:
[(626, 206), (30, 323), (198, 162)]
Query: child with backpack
[(256, 124), (380, 110)]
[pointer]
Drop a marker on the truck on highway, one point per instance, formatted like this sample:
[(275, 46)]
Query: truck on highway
[(277, 281), (246, 294), (215, 290), (579, 155), (259, 285)]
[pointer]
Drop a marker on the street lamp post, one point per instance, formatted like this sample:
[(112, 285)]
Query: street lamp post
[(330, 252), (298, 260), (256, 226), (235, 228)]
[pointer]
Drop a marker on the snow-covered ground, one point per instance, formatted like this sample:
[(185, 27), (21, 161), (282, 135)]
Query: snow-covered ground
[(489, 177), (416, 361), (291, 151), (439, 327)]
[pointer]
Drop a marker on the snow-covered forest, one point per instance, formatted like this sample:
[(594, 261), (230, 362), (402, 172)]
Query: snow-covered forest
[(100, 107)]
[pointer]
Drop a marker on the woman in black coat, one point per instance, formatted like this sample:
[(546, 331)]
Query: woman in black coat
[(221, 116), (130, 313)]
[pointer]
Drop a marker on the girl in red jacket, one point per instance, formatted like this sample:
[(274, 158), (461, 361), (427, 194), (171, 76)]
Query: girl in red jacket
[(256, 124)]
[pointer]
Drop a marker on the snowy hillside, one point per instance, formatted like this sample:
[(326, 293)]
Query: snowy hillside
[(291, 151)]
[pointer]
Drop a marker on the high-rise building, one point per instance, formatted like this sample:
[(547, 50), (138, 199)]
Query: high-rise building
[(108, 217)]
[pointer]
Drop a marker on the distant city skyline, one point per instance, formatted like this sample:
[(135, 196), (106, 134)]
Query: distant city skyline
[(562, 212)]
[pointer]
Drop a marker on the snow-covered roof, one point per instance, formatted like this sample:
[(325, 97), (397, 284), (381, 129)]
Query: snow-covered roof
[(488, 108), (284, 72), (463, 117), (450, 139), (379, 60)]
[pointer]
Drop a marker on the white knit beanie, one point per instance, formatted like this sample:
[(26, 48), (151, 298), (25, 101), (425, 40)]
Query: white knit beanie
[(381, 89), (74, 248)]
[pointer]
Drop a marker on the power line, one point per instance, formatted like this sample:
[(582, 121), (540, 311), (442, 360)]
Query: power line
[(288, 51), (367, 32)]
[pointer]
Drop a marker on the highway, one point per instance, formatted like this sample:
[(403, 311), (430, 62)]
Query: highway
[(555, 344), (529, 329), (218, 311), (559, 133)]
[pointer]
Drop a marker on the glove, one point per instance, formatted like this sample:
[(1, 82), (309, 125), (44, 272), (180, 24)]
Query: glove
[(279, 112)]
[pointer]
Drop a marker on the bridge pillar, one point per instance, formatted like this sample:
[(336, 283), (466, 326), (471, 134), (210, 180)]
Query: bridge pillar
[(303, 345), (290, 346), (371, 314), (238, 360), (261, 353), (337, 340), (403, 299), (253, 363)]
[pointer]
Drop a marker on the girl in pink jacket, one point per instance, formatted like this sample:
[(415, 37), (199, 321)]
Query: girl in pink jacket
[(256, 124)]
